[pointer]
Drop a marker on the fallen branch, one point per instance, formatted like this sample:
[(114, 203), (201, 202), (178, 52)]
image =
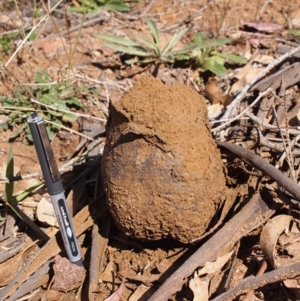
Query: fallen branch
[(245, 220), (262, 165), (251, 283), (244, 91)]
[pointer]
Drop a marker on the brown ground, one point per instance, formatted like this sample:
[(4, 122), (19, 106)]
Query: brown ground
[(96, 65)]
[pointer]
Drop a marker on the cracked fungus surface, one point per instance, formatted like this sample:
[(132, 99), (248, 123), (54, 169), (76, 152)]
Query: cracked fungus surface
[(162, 171)]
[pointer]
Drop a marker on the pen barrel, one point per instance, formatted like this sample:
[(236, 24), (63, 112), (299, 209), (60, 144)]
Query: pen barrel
[(54, 186), (37, 128), (66, 227)]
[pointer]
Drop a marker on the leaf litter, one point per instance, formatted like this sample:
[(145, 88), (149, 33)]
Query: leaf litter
[(265, 127)]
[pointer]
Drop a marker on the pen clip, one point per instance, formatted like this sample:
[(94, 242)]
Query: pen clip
[(48, 152)]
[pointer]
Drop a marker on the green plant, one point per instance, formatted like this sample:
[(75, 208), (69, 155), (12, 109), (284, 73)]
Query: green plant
[(54, 100), (294, 32), (6, 39), (12, 201), (147, 50), (200, 51), (88, 6), (206, 57)]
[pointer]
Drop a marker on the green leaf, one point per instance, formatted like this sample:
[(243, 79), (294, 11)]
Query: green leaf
[(50, 132), (184, 50), (154, 31), (117, 6), (33, 36), (69, 117), (2, 219), (17, 132), (198, 38), (232, 57), (295, 33), (28, 134), (183, 57), (79, 9), (147, 61), (210, 43), (43, 77), (117, 40), (50, 100), (139, 50), (66, 91), (75, 102), (55, 113), (9, 187), (132, 61), (20, 197), (214, 65), (175, 39), (149, 43), (29, 222), (12, 35), (3, 126)]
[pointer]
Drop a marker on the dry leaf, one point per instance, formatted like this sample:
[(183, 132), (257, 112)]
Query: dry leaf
[(75, 195), (270, 233), (290, 242), (45, 213), (199, 286), (10, 268), (142, 293), (244, 76), (294, 18), (264, 59), (263, 26), (163, 265), (213, 267), (215, 94), (215, 110), (117, 295), (48, 295), (107, 275), (256, 42)]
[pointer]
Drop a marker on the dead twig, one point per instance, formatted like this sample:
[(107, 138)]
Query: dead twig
[(251, 214), (244, 91), (262, 269), (251, 283), (264, 166), (246, 110)]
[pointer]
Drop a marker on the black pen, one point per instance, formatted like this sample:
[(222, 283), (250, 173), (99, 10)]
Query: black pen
[(54, 186)]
